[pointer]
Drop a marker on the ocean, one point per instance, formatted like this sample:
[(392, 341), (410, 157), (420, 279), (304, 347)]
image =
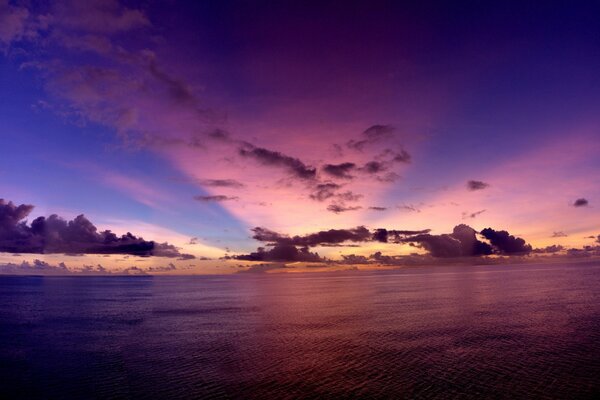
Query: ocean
[(523, 331)]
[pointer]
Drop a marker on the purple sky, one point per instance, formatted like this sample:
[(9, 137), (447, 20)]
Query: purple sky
[(190, 124)]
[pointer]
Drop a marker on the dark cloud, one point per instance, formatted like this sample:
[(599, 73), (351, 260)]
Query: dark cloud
[(466, 215), (477, 185), (586, 251), (340, 208), (79, 236), (548, 249), (333, 237), (375, 208), (324, 191), (409, 207), (395, 236), (177, 90), (371, 135), (581, 203), (374, 167), (282, 253), (379, 131), (39, 267), (506, 243), (559, 234), (402, 156), (216, 198), (340, 170), (349, 196), (462, 242), (354, 259), (165, 268), (388, 178), (329, 237), (229, 183), (277, 159)]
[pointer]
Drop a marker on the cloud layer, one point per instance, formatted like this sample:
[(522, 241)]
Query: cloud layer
[(53, 234)]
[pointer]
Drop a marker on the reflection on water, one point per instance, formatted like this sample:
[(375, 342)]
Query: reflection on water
[(468, 332)]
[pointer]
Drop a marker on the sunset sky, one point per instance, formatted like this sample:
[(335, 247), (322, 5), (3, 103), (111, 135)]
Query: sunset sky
[(192, 124)]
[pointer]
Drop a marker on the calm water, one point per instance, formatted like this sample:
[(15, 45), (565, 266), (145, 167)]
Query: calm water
[(464, 332)]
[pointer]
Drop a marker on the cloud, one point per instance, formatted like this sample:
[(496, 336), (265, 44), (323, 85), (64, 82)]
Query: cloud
[(328, 237), (340, 208), (548, 249), (281, 252), (339, 170), (324, 191), (39, 267), (581, 203), (395, 236), (559, 234), (215, 198), (79, 236), (402, 156), (374, 167), (371, 135), (462, 242), (408, 207), (276, 159), (388, 178), (466, 215), (13, 21), (477, 185), (506, 243), (99, 16), (226, 183), (349, 196), (375, 208)]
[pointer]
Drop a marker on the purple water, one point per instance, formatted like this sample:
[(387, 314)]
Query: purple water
[(446, 332)]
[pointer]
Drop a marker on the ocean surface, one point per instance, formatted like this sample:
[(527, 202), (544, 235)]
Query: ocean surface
[(447, 332)]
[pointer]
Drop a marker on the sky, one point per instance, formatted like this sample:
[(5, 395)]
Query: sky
[(226, 136)]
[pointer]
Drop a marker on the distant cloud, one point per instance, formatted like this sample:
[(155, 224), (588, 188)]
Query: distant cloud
[(548, 249), (477, 185), (506, 243), (559, 234), (340, 170), (408, 207), (371, 135), (581, 203), (216, 198), (462, 242), (340, 208), (39, 267), (78, 236), (388, 177), (282, 253), (375, 208), (395, 236), (349, 196), (13, 21), (276, 159), (229, 183), (324, 191), (331, 236), (466, 215), (374, 167)]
